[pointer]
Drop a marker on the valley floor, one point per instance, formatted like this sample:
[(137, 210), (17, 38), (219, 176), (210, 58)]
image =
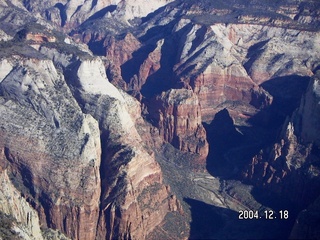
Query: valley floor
[(212, 206)]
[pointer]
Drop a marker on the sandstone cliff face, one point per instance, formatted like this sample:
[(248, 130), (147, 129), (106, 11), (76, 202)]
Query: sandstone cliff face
[(71, 13), (69, 141), (134, 200), (223, 68), (290, 166), (225, 65), (178, 118), (13, 204), (50, 147), (78, 149)]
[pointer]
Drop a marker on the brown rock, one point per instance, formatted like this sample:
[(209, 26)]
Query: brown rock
[(134, 199), (178, 118), (50, 147)]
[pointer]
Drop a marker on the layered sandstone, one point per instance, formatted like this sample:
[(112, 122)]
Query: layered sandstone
[(16, 206), (75, 146), (177, 115), (134, 200), (71, 13), (50, 147), (225, 65)]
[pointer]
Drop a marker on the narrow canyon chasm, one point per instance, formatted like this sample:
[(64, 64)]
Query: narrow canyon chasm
[(159, 119)]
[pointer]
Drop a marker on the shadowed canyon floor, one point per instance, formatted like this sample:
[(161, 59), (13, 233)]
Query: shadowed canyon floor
[(212, 205)]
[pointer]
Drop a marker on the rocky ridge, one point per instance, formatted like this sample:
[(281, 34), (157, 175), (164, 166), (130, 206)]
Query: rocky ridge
[(71, 147), (290, 166)]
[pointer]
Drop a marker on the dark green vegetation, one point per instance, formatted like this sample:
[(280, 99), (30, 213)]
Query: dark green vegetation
[(6, 224)]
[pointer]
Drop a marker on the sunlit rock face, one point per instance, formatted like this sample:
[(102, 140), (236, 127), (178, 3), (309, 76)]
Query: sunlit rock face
[(78, 155), (224, 64), (133, 200), (71, 144), (50, 146), (178, 118), (71, 13)]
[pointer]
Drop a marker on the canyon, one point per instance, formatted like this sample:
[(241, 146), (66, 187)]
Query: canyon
[(160, 119)]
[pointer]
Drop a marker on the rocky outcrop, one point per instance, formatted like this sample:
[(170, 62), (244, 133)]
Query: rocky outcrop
[(50, 147), (177, 115), (290, 165), (78, 149), (70, 13), (18, 219), (73, 150), (128, 9), (223, 68), (226, 65), (133, 200), (14, 205)]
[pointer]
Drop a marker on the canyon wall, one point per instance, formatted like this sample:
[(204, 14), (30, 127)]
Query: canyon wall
[(71, 148), (178, 118), (290, 166), (82, 153)]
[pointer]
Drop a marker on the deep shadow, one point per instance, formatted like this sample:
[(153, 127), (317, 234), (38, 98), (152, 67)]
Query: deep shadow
[(253, 53), (274, 200), (63, 14), (97, 47), (161, 80), (211, 222), (206, 219), (287, 92), (132, 66), (164, 78), (158, 32), (101, 13), (232, 147), (152, 15), (222, 136)]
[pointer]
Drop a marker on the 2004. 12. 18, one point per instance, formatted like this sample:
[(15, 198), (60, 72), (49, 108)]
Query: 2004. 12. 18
[(267, 214)]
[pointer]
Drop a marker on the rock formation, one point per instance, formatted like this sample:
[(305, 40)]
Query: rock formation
[(178, 118), (290, 166), (78, 155), (50, 147), (71, 148), (14, 205), (133, 200)]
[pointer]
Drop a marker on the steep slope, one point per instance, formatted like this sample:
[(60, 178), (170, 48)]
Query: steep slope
[(291, 166), (227, 58), (69, 142), (46, 140), (221, 85)]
